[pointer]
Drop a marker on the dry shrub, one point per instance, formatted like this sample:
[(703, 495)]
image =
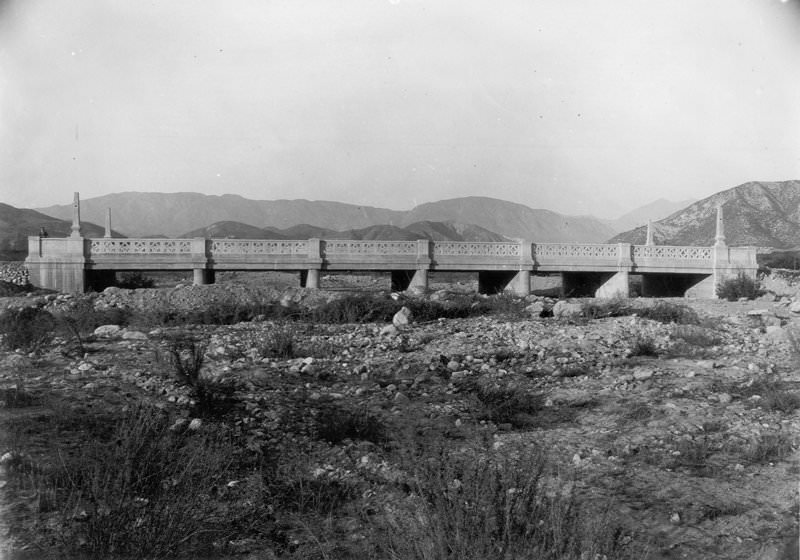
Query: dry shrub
[(466, 505)]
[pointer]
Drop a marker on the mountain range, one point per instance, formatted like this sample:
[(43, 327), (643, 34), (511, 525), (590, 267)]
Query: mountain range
[(16, 224), (172, 214), (436, 231), (760, 214)]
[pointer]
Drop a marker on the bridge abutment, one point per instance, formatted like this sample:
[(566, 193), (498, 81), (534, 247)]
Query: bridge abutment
[(57, 263)]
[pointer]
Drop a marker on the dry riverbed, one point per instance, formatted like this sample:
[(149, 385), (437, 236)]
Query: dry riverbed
[(682, 437)]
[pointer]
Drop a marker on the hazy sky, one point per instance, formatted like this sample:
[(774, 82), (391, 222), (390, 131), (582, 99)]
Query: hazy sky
[(579, 106)]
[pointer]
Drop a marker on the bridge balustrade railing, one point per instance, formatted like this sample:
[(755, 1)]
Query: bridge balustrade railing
[(477, 249), (672, 253), (331, 247), (219, 247), (545, 253), (131, 246)]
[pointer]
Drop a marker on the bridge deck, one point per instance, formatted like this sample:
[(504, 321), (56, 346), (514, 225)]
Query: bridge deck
[(242, 254)]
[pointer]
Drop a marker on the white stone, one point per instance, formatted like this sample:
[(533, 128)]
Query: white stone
[(795, 307), (564, 309), (195, 424), (389, 330), (134, 335), (402, 318), (107, 331), (641, 374)]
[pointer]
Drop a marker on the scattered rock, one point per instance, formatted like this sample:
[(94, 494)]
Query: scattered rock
[(566, 310), (402, 318), (107, 331)]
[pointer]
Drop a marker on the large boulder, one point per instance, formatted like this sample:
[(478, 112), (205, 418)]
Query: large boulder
[(402, 318), (567, 310)]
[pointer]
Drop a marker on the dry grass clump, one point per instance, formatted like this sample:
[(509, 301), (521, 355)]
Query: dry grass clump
[(767, 448), (620, 306), (132, 487), (28, 329), (466, 505)]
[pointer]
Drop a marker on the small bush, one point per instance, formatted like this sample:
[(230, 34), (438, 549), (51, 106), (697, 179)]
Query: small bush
[(279, 343), (470, 507), (694, 454), (212, 397), (135, 280), (507, 405), (28, 329), (335, 424), (696, 336), (666, 312), (146, 491), (768, 447), (644, 346), (775, 395), (742, 286), (355, 309), (17, 396)]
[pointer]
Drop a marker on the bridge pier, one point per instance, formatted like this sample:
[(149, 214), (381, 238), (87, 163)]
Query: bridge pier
[(618, 284), (310, 279), (409, 280), (203, 276)]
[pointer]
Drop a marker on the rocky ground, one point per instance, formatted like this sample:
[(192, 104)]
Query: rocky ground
[(684, 433)]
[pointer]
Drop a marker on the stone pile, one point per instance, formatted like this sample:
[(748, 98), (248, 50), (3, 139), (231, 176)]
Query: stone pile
[(15, 273)]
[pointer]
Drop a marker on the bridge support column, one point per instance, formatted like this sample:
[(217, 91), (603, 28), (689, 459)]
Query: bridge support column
[(521, 283), (410, 280), (618, 284), (203, 276), (309, 279)]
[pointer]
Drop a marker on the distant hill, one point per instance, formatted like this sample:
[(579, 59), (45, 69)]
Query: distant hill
[(237, 230), (511, 219), (16, 224), (147, 214), (656, 210), (453, 231), (761, 214), (421, 230), (172, 214)]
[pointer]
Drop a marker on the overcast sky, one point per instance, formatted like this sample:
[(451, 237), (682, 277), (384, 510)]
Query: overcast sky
[(579, 106)]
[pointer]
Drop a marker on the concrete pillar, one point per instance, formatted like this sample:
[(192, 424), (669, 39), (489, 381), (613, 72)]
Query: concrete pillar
[(521, 283), (310, 279), (200, 277), (108, 223), (650, 240), (618, 284)]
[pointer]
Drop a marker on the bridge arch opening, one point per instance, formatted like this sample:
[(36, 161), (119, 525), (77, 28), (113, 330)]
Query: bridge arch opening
[(672, 285)]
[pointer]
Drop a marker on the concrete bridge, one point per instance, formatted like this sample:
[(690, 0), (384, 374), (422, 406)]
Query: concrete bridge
[(73, 263)]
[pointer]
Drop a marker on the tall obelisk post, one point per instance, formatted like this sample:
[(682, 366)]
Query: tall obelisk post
[(108, 223), (650, 240), (719, 240), (76, 215)]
